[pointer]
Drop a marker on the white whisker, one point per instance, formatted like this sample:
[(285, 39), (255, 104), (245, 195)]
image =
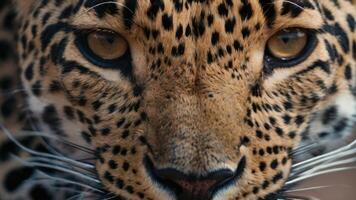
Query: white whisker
[(49, 161), (64, 159), (58, 168), (314, 188), (323, 160), (49, 178), (327, 156), (296, 180), (109, 2), (330, 165)]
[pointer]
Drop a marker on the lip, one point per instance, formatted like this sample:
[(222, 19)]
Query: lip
[(177, 190)]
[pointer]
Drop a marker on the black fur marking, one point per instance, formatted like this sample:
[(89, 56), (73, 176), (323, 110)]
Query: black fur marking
[(16, 177)]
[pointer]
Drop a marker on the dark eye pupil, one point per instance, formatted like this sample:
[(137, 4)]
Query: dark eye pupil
[(287, 37), (110, 39)]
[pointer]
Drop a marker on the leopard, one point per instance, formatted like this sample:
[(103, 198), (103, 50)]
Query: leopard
[(173, 99)]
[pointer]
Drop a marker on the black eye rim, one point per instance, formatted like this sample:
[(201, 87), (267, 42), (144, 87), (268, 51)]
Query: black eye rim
[(271, 62), (81, 42)]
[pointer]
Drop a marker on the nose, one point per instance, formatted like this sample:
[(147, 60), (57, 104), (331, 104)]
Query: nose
[(192, 186), (197, 187)]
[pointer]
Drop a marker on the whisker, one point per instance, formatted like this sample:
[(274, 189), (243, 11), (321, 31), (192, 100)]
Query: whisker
[(303, 149), (116, 3), (293, 197), (49, 161), (312, 188), (58, 168), (296, 180), (109, 196), (334, 164), (326, 160), (47, 136), (324, 157), (77, 196), (64, 159), (109, 2)]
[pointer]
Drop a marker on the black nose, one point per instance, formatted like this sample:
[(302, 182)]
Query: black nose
[(195, 187), (192, 186)]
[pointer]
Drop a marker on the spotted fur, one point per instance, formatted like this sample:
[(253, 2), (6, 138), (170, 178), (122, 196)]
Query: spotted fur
[(196, 97)]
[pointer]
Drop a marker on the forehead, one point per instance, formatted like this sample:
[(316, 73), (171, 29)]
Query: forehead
[(167, 14)]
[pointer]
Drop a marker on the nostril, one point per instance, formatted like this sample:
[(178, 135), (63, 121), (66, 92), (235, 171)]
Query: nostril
[(193, 180), (193, 186)]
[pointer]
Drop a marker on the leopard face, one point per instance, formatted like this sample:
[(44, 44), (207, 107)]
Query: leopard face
[(187, 99)]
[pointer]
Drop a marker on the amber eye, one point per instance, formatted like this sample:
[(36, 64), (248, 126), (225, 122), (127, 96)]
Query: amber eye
[(288, 48), (287, 44), (107, 45), (104, 48)]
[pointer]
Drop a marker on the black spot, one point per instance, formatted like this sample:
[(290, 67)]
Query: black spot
[(295, 8), (6, 82), (129, 12), (112, 164), (329, 115), (50, 31), (86, 136), (292, 134), (154, 8), (341, 125), (126, 166), (214, 38), (116, 149), (351, 22), (230, 25), (8, 107), (16, 177), (277, 177), (38, 192), (119, 183), (222, 10), (323, 134), (167, 22), (125, 134), (340, 34), (29, 72), (245, 32), (55, 86), (269, 11), (245, 10), (69, 112), (348, 72), (262, 166), (109, 177), (274, 164), (5, 49), (51, 118)]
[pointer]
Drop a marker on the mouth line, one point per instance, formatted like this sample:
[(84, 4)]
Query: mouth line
[(177, 190)]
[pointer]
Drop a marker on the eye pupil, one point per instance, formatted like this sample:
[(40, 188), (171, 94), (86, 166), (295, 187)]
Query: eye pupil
[(110, 39), (285, 39)]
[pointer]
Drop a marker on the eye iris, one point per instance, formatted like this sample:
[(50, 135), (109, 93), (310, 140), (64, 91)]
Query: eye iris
[(108, 46), (288, 43)]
